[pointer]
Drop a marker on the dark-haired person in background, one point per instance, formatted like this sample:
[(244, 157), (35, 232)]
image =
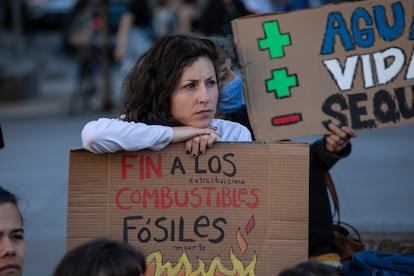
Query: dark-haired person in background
[(217, 16), (102, 257), (135, 33)]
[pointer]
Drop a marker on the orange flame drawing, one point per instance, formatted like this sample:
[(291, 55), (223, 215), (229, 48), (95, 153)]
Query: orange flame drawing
[(241, 241)]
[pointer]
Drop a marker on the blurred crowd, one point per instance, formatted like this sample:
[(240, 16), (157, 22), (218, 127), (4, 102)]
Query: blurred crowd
[(212, 17), (99, 33), (134, 24), (158, 16)]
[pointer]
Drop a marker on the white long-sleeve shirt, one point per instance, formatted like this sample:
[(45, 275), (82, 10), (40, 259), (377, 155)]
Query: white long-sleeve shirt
[(110, 135)]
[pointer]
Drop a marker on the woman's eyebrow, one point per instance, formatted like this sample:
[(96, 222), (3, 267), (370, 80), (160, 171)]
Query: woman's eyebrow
[(190, 80), (13, 231), (17, 230)]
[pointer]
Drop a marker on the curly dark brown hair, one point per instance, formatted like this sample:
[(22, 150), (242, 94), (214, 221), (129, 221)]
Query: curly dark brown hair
[(156, 73)]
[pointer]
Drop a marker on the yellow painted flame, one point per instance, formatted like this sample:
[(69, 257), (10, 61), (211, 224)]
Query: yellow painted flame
[(156, 267)]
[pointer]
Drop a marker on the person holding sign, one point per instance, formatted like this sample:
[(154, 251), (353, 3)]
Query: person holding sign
[(325, 153), (172, 95), (12, 244)]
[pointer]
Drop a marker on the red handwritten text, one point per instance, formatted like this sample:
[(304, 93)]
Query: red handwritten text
[(167, 197), (146, 165)]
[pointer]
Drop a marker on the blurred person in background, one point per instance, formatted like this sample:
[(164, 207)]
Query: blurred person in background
[(188, 14), (293, 5), (163, 18), (265, 6), (102, 257), (79, 31), (135, 33), (231, 104), (12, 243), (217, 16), (81, 38)]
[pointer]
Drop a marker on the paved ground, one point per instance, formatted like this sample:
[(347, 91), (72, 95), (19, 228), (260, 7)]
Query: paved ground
[(375, 183)]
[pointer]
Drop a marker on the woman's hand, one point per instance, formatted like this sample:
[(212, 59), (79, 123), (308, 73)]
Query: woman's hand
[(339, 138), (197, 140), (199, 144)]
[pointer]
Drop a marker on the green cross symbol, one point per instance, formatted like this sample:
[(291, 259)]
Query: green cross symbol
[(274, 40), (281, 83)]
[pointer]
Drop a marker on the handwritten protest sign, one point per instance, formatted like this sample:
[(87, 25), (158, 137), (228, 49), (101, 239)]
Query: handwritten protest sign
[(240, 209), (350, 64)]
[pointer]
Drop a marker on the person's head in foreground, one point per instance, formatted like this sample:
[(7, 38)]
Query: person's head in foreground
[(102, 257), (311, 269), (12, 244), (174, 83)]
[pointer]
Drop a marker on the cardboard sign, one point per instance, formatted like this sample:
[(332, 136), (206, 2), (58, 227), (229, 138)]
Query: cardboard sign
[(350, 64), (240, 209)]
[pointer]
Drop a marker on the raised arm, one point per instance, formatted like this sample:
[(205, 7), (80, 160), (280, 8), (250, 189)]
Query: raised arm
[(334, 146)]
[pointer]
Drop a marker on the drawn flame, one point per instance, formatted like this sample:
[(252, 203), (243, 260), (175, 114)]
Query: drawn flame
[(250, 225), (156, 267), (241, 241)]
